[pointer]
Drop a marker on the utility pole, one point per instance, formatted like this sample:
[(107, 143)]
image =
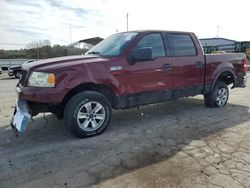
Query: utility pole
[(70, 34), (127, 21), (37, 51), (218, 31)]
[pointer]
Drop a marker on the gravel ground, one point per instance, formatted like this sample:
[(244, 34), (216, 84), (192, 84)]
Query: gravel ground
[(173, 144)]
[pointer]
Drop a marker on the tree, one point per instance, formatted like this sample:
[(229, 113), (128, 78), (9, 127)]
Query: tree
[(41, 50), (36, 45)]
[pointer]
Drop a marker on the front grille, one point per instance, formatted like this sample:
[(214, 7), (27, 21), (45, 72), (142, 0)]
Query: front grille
[(23, 77)]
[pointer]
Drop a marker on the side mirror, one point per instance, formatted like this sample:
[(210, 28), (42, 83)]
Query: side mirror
[(141, 54)]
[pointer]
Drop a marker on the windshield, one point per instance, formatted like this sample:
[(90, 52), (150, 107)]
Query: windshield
[(113, 45)]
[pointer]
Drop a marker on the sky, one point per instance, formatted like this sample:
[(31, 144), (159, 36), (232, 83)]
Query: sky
[(66, 21)]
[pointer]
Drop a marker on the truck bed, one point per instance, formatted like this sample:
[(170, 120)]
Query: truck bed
[(216, 62)]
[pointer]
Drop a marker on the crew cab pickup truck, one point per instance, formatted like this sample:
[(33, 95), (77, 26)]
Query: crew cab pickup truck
[(125, 70)]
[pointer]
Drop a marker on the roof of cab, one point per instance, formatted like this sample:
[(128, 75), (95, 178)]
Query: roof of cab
[(149, 31)]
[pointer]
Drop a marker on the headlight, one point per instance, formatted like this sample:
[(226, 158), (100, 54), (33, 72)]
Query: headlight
[(42, 79)]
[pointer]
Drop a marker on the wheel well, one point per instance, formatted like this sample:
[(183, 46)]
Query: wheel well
[(105, 90), (227, 77)]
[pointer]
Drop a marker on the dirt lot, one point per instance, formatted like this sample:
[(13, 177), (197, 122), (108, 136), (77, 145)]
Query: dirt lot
[(174, 144)]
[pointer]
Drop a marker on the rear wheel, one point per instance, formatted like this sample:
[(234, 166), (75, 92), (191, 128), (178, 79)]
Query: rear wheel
[(218, 97), (87, 114)]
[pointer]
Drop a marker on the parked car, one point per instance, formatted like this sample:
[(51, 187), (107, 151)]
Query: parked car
[(1, 71), (125, 70), (16, 70)]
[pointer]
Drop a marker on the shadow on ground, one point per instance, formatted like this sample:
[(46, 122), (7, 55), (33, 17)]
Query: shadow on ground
[(134, 139)]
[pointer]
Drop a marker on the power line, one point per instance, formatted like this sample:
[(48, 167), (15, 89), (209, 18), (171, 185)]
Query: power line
[(5, 43), (59, 41), (23, 44)]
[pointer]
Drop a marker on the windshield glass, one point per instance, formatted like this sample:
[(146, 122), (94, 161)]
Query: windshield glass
[(113, 45)]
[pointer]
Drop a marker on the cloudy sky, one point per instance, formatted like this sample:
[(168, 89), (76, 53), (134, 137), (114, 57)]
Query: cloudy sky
[(23, 21)]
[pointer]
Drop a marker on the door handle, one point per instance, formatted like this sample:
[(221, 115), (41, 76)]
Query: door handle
[(199, 64), (167, 66)]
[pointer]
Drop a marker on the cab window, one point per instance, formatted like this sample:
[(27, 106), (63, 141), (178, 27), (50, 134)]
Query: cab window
[(182, 45), (155, 42)]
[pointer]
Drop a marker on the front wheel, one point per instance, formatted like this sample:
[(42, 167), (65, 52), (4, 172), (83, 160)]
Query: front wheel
[(87, 114), (218, 97)]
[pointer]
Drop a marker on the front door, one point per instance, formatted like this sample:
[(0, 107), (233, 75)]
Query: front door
[(152, 78)]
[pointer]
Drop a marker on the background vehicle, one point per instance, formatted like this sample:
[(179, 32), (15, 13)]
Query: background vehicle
[(7, 63), (16, 70), (1, 70), (126, 70), (210, 49), (243, 47), (235, 47)]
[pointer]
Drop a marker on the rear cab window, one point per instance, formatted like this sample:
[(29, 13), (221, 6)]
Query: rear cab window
[(182, 45)]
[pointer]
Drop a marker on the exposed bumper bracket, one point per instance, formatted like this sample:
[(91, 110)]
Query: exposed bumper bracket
[(21, 117)]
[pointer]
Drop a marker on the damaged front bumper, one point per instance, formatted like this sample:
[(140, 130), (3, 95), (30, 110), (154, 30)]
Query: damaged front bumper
[(21, 116)]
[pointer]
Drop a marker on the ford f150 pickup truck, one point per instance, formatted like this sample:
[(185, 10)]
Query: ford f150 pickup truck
[(125, 70)]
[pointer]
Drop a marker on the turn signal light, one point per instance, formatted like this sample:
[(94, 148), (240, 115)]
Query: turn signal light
[(51, 79)]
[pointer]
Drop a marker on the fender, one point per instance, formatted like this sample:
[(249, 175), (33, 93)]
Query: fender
[(86, 75), (227, 69)]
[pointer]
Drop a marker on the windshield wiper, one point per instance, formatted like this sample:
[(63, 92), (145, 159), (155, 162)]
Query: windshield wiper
[(94, 52)]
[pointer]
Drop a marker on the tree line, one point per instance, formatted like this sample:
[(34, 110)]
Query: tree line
[(41, 50)]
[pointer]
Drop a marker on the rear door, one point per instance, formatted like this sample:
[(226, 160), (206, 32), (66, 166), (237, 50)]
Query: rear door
[(188, 64)]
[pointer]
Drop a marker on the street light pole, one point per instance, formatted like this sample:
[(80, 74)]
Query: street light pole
[(127, 21)]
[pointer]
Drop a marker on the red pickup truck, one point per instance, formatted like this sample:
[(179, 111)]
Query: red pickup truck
[(125, 70)]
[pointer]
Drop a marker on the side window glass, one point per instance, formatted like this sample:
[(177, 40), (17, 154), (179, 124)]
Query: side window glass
[(155, 42), (183, 45)]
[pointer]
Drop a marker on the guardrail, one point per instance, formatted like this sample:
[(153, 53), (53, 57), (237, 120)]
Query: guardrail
[(6, 63)]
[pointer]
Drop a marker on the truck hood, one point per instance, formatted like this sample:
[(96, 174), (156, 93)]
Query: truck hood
[(55, 63)]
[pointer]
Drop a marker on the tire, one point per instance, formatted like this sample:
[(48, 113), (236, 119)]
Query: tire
[(218, 97), (79, 115), (12, 119), (17, 74)]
